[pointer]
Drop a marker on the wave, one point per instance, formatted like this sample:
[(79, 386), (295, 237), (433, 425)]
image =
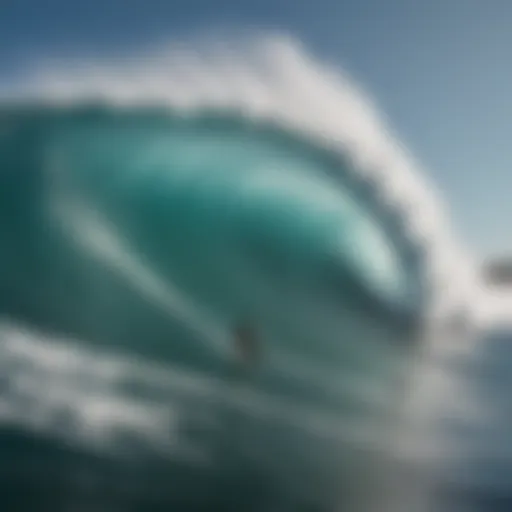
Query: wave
[(147, 206)]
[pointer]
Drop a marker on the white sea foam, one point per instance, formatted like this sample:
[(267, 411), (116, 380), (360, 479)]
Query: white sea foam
[(86, 395)]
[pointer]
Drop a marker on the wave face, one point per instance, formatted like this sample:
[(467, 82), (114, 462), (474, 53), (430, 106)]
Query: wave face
[(154, 235), (142, 246)]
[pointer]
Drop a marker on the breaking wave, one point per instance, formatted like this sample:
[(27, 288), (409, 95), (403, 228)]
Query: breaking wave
[(147, 206)]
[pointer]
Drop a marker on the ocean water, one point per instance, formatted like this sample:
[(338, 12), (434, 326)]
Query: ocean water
[(214, 278), (475, 476)]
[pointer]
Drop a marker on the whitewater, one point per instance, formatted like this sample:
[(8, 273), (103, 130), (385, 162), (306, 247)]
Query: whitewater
[(221, 181)]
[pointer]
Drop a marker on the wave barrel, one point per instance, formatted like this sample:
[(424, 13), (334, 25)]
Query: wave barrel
[(198, 312)]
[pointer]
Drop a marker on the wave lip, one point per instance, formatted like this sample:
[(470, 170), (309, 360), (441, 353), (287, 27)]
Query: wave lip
[(272, 78)]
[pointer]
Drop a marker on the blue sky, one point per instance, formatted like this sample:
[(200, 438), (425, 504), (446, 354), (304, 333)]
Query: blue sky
[(440, 69)]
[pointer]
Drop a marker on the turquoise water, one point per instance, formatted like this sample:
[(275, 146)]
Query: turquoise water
[(147, 237)]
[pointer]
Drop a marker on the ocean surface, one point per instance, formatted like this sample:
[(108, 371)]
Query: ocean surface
[(476, 475), (214, 279)]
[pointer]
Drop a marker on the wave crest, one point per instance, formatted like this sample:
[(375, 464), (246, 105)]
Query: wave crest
[(272, 78)]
